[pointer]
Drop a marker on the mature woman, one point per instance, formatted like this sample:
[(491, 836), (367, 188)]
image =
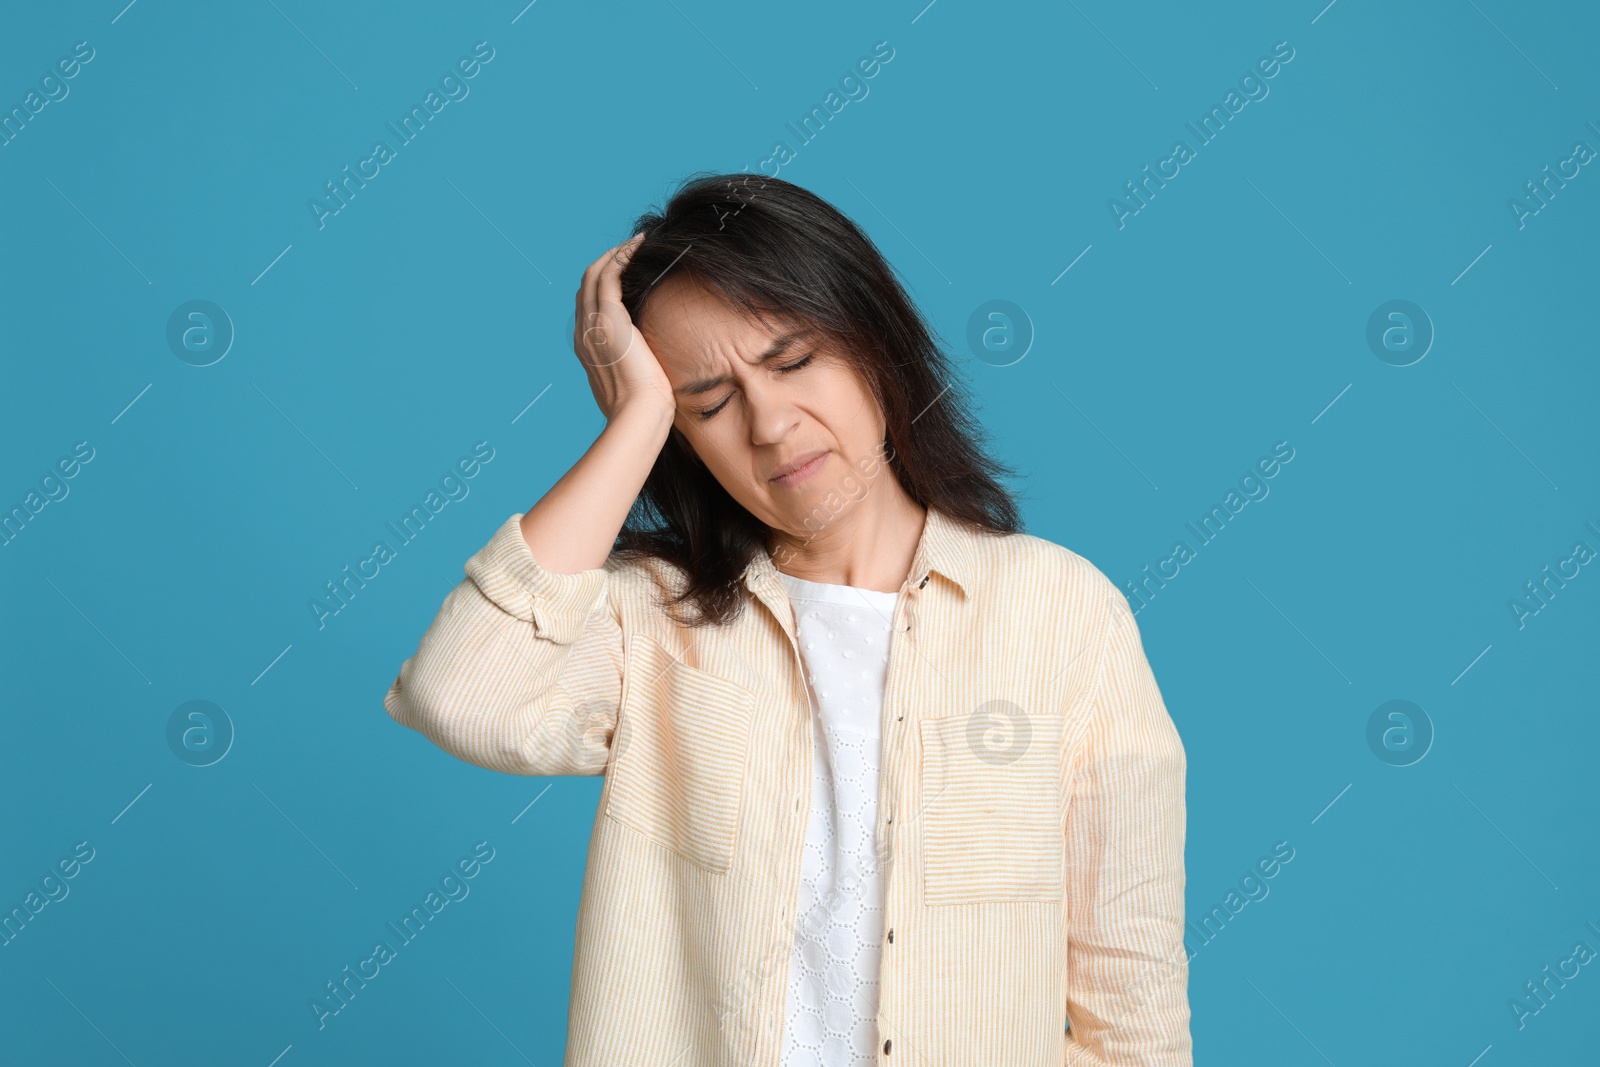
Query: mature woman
[(886, 779)]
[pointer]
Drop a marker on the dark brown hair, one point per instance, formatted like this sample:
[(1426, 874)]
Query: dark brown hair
[(773, 249)]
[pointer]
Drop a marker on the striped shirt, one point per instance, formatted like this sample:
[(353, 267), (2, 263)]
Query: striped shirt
[(1030, 816)]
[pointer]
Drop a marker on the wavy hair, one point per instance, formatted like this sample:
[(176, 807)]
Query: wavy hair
[(772, 249)]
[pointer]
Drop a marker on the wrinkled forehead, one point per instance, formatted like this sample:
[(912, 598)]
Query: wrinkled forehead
[(695, 330)]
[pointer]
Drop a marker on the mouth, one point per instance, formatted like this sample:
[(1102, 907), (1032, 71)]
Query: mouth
[(800, 469)]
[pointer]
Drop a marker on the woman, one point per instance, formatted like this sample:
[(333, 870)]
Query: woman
[(886, 779)]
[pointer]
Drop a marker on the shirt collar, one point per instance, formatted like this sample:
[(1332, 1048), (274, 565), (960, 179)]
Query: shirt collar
[(945, 547)]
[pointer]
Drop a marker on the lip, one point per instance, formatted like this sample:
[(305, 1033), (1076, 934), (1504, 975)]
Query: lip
[(803, 467)]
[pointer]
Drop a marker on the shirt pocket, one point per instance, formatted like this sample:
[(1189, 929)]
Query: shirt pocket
[(677, 771), (992, 813)]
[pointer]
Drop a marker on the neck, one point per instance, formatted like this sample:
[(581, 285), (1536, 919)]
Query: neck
[(869, 545)]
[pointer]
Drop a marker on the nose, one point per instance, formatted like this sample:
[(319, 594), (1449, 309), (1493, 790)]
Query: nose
[(773, 414)]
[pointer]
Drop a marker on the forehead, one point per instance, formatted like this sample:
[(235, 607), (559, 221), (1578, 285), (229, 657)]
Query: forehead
[(688, 325)]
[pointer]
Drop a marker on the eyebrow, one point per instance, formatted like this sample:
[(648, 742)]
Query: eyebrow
[(783, 344)]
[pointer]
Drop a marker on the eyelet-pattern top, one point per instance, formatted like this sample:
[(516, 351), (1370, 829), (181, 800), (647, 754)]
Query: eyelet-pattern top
[(833, 975)]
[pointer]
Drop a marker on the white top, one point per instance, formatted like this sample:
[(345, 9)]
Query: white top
[(832, 1013)]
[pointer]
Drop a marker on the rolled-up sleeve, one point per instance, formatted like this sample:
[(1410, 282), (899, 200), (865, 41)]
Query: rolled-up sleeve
[(521, 670), (1127, 968)]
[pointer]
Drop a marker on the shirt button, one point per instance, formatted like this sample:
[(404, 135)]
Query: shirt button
[(887, 1042), (891, 935)]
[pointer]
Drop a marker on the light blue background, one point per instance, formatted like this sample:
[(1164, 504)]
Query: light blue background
[(1228, 315)]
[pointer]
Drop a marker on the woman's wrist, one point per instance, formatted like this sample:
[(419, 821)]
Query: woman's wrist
[(643, 416)]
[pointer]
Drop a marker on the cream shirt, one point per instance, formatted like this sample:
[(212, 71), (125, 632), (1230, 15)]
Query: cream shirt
[(1030, 802)]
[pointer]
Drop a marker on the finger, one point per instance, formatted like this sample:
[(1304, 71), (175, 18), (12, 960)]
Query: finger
[(610, 278), (591, 273), (582, 303), (588, 300), (587, 292), (608, 300)]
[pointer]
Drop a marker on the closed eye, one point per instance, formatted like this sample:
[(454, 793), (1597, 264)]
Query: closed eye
[(796, 365)]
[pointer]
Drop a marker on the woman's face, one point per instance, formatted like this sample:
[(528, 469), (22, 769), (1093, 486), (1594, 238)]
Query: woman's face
[(756, 396)]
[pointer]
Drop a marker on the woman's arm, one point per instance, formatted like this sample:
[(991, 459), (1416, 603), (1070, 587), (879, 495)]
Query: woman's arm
[(574, 526), (1127, 968), (521, 670)]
